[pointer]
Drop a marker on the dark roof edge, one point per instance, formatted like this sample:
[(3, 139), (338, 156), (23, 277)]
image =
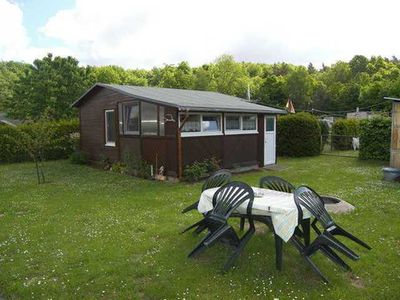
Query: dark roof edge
[(391, 98), (77, 102), (106, 86)]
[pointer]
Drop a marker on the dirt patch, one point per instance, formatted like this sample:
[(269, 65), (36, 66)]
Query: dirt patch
[(356, 281)]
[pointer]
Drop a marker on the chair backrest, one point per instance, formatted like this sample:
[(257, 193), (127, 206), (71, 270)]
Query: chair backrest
[(219, 178), (308, 198), (277, 184), (230, 196)]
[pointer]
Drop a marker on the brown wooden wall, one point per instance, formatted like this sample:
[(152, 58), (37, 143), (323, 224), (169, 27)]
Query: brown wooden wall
[(92, 129), (230, 149)]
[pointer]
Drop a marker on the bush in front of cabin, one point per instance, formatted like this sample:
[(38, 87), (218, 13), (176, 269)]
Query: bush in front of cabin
[(343, 131), (298, 135), (195, 171), (62, 138), (375, 137)]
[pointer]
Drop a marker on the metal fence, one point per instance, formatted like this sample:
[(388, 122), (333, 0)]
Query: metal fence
[(340, 145)]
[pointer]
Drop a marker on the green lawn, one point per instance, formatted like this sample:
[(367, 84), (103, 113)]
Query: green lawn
[(91, 234)]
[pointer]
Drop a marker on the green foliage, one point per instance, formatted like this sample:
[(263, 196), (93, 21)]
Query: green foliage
[(53, 140), (194, 172), (51, 84), (298, 135), (343, 131), (135, 166), (48, 88), (118, 167), (79, 157), (324, 132), (375, 137)]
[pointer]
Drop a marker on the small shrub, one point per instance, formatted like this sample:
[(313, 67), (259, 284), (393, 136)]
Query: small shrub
[(375, 137), (343, 131), (104, 162), (118, 167), (135, 166), (212, 164), (195, 171), (298, 135), (79, 157)]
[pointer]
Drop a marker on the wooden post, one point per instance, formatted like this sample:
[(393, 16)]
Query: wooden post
[(395, 143), (179, 138)]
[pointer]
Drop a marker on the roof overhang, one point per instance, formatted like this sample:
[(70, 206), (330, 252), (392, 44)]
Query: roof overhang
[(80, 100), (391, 98)]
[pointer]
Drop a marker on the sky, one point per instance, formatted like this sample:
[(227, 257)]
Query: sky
[(149, 33)]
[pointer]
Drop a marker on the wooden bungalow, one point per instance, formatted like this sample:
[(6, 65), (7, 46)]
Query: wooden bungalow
[(173, 127)]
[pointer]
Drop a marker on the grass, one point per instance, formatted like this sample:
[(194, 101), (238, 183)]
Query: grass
[(95, 234)]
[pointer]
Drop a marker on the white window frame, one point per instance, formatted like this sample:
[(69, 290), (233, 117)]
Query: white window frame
[(201, 132), (108, 143), (241, 130), (124, 121)]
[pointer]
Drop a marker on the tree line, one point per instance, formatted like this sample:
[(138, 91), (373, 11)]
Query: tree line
[(48, 86)]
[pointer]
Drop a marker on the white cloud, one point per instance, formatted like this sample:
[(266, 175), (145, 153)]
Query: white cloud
[(14, 41), (136, 33)]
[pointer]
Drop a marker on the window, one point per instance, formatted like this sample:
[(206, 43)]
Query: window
[(149, 116), (110, 127), (211, 123), (249, 122), (270, 126), (201, 124), (192, 124), (161, 118), (131, 118), (240, 124), (232, 122)]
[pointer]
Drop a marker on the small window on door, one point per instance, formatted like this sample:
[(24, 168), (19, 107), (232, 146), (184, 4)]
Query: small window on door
[(110, 127), (270, 124)]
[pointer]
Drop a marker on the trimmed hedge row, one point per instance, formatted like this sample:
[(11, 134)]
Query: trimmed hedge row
[(63, 136), (375, 137), (343, 131), (298, 135)]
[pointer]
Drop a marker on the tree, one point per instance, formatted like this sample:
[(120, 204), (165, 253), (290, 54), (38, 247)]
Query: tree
[(230, 76), (48, 88), (299, 87)]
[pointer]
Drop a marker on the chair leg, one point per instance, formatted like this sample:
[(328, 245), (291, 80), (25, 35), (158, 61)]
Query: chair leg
[(199, 223), (328, 252), (199, 229), (334, 243), (200, 247), (278, 252), (315, 227), (315, 268), (239, 249), (305, 224), (190, 207), (242, 220), (340, 231)]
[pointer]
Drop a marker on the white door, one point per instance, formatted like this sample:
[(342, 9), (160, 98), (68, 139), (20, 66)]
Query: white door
[(270, 140)]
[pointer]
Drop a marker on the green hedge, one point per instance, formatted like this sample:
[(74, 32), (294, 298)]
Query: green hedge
[(63, 138), (298, 135), (375, 137), (343, 131)]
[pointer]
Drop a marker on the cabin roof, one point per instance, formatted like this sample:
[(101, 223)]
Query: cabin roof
[(185, 100)]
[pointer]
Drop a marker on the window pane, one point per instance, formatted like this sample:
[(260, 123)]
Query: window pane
[(232, 123), (162, 120), (192, 123), (270, 124), (131, 118), (110, 127), (149, 119), (211, 123), (249, 122)]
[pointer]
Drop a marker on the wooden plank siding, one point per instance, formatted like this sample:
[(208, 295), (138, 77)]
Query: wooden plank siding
[(232, 150)]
